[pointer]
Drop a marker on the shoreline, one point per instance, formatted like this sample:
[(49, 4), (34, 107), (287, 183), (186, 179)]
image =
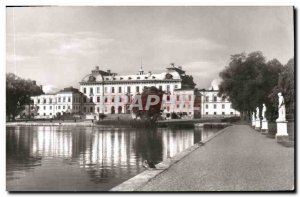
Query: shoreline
[(144, 177)]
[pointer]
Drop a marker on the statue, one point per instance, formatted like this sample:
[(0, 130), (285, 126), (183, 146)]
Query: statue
[(257, 113), (264, 109), (253, 116), (281, 108)]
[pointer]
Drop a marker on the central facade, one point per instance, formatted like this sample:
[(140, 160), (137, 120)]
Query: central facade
[(109, 93)]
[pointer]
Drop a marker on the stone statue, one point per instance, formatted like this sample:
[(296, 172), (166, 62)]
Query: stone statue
[(253, 116), (257, 113), (264, 109), (281, 108)]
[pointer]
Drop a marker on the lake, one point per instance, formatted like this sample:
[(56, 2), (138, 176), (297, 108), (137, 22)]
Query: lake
[(68, 158)]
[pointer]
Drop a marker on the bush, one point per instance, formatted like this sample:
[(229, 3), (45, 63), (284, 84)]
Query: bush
[(231, 119)]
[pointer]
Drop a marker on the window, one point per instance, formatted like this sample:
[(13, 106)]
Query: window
[(50, 107), (98, 110), (206, 106), (128, 89), (64, 99), (44, 114), (160, 87), (215, 113), (98, 99), (190, 97), (207, 98), (105, 109), (105, 100), (91, 90), (206, 113), (44, 107), (168, 97), (231, 113), (59, 107), (91, 109), (168, 108), (84, 109), (91, 99), (178, 106), (223, 113), (223, 98), (59, 99), (50, 114), (223, 106), (44, 100), (215, 106), (113, 100), (98, 89), (63, 107), (105, 90), (176, 86), (215, 98), (69, 107), (120, 99), (84, 90), (231, 106), (38, 100), (137, 89), (50, 100), (84, 99), (177, 98), (120, 89), (168, 88), (112, 90), (69, 99)]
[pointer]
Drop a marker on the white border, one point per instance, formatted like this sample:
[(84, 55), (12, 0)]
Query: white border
[(5, 3)]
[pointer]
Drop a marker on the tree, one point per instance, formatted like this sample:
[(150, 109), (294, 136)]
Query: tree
[(286, 85), (248, 80), (18, 93), (154, 110)]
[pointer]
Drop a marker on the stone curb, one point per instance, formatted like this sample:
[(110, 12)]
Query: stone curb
[(143, 178)]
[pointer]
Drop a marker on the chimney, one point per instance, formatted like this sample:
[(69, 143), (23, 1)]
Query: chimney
[(180, 67), (172, 65), (34, 82), (41, 87), (97, 67), (108, 71), (150, 73)]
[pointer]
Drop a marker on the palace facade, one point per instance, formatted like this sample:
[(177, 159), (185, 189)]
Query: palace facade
[(106, 92)]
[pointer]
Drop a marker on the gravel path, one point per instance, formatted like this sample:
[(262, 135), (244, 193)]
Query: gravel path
[(239, 159)]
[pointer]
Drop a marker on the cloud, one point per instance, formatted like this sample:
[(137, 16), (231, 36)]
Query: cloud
[(19, 58), (48, 89), (204, 43)]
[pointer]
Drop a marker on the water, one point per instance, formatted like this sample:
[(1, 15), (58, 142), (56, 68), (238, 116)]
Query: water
[(45, 158)]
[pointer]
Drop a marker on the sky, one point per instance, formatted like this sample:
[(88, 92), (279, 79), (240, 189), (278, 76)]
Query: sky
[(57, 46)]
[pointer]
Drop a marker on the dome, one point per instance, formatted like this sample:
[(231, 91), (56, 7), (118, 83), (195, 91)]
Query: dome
[(215, 84)]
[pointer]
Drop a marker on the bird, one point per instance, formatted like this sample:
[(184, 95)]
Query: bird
[(148, 164)]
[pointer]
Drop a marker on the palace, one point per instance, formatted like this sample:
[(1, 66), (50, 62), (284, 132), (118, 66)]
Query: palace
[(106, 92)]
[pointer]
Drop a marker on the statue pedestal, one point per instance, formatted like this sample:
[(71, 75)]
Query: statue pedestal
[(257, 124), (282, 133), (253, 123), (264, 127)]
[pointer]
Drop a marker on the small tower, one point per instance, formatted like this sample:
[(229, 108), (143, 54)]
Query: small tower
[(141, 71)]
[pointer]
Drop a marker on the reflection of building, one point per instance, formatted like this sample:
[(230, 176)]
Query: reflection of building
[(68, 100), (213, 105)]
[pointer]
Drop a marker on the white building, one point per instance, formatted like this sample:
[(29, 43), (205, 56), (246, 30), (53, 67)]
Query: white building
[(110, 93), (69, 100), (213, 105)]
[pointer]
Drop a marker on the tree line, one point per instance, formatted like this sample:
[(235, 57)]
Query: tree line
[(18, 93), (249, 81)]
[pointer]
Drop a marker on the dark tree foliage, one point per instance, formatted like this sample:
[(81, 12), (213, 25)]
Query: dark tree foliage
[(188, 82), (286, 85), (18, 93), (248, 80), (154, 111)]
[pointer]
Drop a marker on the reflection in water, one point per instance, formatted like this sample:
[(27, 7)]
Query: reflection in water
[(86, 158)]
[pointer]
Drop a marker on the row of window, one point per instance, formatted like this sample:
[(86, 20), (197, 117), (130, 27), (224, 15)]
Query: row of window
[(215, 106), (119, 89), (63, 99), (215, 113), (76, 107), (214, 98)]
